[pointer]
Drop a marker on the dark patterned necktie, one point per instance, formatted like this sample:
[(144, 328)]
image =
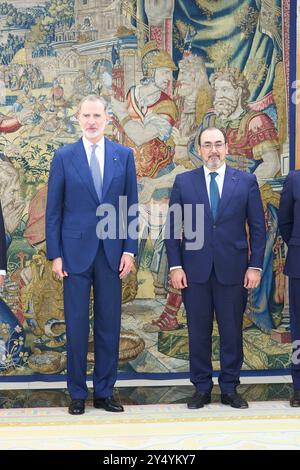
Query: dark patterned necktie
[(214, 194)]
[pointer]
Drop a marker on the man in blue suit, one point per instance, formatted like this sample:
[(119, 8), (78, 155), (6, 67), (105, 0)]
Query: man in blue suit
[(215, 278), (289, 226), (86, 180)]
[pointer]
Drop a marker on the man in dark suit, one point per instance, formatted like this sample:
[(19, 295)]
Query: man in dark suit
[(2, 250), (215, 278), (289, 225), (86, 177)]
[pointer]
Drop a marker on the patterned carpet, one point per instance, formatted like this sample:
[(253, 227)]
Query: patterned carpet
[(265, 425)]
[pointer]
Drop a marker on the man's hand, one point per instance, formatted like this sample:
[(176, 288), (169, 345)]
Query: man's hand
[(178, 278), (57, 268), (126, 265), (252, 278), (2, 280)]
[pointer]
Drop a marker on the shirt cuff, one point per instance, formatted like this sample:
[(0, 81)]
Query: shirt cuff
[(127, 253), (175, 267), (2, 272), (257, 269)]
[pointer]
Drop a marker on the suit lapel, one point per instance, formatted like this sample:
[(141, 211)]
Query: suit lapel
[(111, 158), (230, 181), (200, 186), (80, 162)]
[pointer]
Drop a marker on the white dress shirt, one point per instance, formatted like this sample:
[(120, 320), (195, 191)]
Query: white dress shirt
[(220, 182), (100, 154), (219, 179)]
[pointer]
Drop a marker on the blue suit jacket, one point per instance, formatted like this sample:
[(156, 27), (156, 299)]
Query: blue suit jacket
[(72, 203), (225, 240), (289, 222)]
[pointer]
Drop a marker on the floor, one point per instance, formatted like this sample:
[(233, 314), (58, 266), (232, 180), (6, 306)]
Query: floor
[(155, 418)]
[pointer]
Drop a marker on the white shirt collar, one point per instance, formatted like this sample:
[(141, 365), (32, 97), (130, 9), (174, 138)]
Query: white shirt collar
[(220, 171), (88, 144)]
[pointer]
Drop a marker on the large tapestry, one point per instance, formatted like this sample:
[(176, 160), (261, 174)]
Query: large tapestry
[(167, 68)]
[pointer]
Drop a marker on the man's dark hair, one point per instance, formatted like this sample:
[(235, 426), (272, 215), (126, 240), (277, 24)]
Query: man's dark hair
[(212, 128)]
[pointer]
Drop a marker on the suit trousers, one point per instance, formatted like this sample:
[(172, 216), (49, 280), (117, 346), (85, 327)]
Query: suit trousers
[(228, 302), (107, 323), (294, 300)]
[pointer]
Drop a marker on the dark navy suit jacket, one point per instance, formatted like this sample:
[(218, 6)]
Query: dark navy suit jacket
[(72, 202), (225, 239), (289, 222)]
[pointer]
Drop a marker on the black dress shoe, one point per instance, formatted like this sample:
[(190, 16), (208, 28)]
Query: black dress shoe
[(198, 400), (76, 407), (108, 404), (234, 400), (295, 400)]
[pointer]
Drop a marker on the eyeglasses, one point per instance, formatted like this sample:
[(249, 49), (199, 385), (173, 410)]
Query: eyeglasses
[(217, 146)]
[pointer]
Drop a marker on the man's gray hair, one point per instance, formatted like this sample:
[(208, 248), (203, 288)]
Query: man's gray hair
[(93, 98)]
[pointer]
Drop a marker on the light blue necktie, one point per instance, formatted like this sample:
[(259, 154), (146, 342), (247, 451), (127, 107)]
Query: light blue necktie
[(96, 172), (214, 194)]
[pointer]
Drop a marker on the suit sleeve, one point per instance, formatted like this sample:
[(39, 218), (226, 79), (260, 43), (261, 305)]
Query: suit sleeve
[(3, 265), (131, 241), (286, 209), (54, 209), (257, 228), (173, 231)]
